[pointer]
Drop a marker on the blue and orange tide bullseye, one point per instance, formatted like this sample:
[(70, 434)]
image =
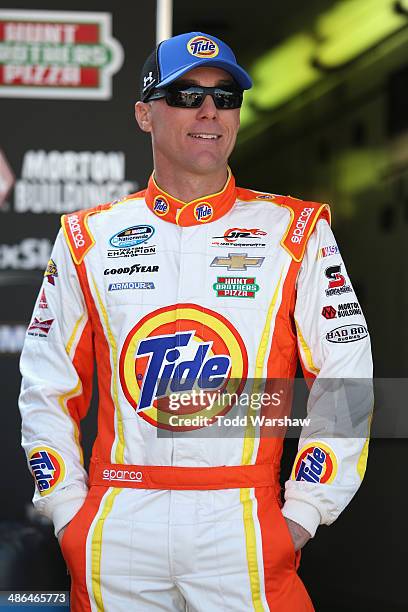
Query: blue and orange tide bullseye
[(203, 212), (315, 463), (161, 206), (181, 349), (203, 47), (47, 467)]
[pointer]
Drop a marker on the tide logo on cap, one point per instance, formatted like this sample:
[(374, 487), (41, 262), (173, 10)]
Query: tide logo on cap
[(187, 350), (48, 468), (315, 463), (161, 206), (203, 212), (201, 46)]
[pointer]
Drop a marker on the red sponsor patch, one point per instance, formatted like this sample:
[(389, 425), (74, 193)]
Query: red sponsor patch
[(40, 328)]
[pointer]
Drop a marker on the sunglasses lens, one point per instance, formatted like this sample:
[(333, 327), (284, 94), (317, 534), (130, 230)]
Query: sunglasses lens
[(190, 97), (193, 97), (225, 99)]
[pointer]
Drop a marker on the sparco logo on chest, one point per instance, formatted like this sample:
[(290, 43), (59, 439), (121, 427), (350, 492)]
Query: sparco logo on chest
[(181, 349)]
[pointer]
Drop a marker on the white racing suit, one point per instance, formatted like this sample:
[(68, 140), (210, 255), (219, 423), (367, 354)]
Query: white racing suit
[(224, 293)]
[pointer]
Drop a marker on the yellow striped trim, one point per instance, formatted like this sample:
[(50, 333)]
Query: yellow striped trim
[(251, 551), (247, 454), (63, 400), (259, 367), (96, 550), (75, 392), (120, 449), (362, 460), (307, 352), (73, 335)]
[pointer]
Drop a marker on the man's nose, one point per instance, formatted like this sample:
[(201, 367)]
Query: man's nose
[(208, 109)]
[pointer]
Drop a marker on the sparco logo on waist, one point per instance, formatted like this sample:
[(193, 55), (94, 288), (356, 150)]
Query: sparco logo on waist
[(301, 224), (347, 333), (122, 475), (74, 226)]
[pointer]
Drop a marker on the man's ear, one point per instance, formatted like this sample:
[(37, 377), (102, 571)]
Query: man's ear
[(143, 116)]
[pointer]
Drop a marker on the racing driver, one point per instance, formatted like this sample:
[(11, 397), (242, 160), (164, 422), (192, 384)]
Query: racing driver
[(191, 285)]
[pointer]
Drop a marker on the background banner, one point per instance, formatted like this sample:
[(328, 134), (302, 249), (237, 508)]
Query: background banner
[(68, 141)]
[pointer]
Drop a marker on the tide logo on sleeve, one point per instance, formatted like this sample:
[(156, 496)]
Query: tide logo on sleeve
[(47, 467), (182, 349), (315, 463)]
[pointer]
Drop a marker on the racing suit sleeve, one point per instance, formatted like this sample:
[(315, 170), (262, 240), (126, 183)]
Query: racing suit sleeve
[(334, 348), (57, 369)]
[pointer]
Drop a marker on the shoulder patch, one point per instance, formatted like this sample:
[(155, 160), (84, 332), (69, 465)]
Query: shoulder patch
[(77, 232), (304, 216)]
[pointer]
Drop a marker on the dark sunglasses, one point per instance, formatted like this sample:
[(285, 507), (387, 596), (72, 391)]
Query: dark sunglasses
[(192, 96)]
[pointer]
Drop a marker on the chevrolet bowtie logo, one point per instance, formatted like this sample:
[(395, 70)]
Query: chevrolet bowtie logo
[(237, 261)]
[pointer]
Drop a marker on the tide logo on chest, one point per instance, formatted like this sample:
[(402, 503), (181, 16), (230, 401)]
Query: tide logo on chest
[(183, 350)]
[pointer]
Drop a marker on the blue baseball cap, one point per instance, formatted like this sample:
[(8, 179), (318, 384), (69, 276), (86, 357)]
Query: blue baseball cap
[(175, 56)]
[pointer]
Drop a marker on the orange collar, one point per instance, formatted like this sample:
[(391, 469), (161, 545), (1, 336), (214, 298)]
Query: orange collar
[(196, 212)]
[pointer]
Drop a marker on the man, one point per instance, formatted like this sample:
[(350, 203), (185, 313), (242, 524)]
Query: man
[(190, 285)]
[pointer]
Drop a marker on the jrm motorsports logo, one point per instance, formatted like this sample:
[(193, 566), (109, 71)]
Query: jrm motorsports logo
[(57, 54)]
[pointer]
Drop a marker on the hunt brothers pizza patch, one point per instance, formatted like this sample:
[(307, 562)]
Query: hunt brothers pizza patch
[(57, 54)]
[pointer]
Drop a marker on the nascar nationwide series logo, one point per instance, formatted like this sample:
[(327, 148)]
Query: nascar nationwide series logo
[(48, 468), (57, 54), (183, 348)]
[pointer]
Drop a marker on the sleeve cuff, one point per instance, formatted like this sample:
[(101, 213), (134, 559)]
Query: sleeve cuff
[(65, 506), (303, 513)]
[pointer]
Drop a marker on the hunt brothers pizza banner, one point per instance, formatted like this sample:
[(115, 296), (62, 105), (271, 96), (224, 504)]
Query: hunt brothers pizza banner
[(57, 54), (68, 141)]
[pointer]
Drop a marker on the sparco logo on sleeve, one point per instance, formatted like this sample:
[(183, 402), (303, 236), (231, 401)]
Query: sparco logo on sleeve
[(347, 333), (76, 232), (301, 224), (57, 54)]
